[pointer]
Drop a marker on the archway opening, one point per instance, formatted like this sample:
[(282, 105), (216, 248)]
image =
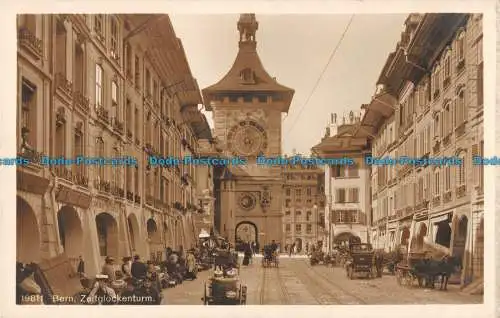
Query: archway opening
[(27, 233), (405, 236), (70, 232), (421, 234), (460, 237), (345, 238), (107, 234), (133, 229), (246, 232), (443, 234), (298, 244), (154, 237)]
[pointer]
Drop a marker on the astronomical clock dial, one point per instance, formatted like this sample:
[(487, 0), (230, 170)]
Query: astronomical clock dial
[(247, 139), (247, 201)]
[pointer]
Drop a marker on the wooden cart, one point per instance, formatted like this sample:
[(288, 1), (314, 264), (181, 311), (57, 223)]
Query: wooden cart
[(405, 275)]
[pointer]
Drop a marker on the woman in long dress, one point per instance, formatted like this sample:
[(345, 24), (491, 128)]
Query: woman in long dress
[(192, 270)]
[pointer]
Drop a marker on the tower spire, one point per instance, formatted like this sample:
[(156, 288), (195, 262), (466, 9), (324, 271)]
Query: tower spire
[(247, 26)]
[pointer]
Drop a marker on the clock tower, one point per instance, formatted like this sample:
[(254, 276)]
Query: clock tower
[(247, 106)]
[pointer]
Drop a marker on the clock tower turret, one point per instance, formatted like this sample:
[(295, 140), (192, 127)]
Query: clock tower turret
[(247, 105)]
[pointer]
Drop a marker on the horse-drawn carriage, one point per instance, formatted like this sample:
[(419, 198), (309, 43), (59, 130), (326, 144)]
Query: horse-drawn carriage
[(422, 268), (270, 259), (225, 289), (361, 260)]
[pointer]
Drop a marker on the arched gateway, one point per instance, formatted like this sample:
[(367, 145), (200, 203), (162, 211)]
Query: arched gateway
[(246, 232)]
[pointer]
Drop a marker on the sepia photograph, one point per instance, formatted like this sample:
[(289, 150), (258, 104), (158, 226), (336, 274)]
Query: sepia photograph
[(250, 159)]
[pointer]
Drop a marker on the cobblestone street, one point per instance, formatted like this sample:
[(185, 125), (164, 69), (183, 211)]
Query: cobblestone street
[(296, 282)]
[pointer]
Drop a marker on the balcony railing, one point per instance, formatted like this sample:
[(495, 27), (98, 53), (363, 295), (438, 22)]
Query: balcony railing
[(81, 179), (64, 84), (129, 134), (29, 41), (130, 196), (460, 191), (436, 201), (103, 114), (104, 186), (137, 199), (118, 191), (82, 102), (447, 197), (118, 126), (63, 172), (422, 205)]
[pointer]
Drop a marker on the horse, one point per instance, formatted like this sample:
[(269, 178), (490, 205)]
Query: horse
[(448, 265), (430, 270)]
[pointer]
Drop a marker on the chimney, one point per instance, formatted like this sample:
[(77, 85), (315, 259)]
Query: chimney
[(333, 125)]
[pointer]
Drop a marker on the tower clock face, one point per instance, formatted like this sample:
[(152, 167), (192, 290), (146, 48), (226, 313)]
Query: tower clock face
[(247, 139)]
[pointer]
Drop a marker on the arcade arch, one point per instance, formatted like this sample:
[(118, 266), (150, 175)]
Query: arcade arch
[(443, 234), (70, 231), (27, 234), (421, 234), (107, 234), (405, 236)]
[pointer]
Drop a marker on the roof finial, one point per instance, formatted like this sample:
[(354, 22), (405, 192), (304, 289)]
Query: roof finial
[(247, 26)]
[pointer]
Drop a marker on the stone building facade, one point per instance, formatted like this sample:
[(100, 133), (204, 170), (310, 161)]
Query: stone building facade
[(347, 186), (303, 206), (247, 105), (110, 86), (430, 105)]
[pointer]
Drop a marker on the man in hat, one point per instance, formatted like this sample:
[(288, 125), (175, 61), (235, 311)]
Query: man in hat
[(139, 270), (126, 266), (109, 269)]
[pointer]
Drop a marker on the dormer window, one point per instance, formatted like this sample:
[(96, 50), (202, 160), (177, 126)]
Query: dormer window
[(247, 76)]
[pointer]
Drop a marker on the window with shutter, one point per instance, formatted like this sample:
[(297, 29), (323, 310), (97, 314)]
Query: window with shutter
[(436, 183), (475, 168)]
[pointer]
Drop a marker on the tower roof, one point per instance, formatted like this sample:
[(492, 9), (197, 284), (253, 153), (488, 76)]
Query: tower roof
[(247, 73)]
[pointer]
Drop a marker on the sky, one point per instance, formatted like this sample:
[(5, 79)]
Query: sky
[(295, 49)]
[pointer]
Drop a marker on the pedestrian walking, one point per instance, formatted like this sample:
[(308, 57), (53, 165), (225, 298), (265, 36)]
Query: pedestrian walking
[(81, 267)]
